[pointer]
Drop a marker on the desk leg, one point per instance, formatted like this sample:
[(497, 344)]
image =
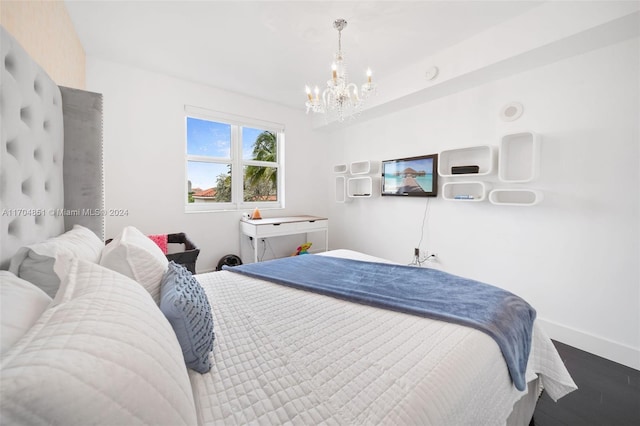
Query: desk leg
[(326, 239), (255, 250)]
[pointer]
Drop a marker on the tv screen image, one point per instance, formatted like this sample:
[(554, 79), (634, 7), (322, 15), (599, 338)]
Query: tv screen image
[(414, 176)]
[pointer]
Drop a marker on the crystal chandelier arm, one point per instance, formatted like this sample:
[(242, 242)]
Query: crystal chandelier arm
[(326, 95), (352, 89)]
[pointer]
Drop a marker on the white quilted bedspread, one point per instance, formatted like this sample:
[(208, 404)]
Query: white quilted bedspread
[(286, 356)]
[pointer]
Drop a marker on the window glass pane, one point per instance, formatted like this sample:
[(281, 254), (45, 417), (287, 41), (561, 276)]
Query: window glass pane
[(208, 138), (259, 145), (260, 183), (208, 182)]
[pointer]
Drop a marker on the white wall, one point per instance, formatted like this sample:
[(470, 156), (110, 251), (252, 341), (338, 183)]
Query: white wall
[(144, 145), (576, 256)]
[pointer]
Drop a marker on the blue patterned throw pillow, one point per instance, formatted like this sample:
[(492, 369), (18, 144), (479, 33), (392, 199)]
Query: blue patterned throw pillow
[(185, 304)]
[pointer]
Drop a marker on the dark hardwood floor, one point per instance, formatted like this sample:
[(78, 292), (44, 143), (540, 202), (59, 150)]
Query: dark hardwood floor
[(608, 393)]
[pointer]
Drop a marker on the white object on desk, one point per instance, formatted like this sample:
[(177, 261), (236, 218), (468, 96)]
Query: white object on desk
[(279, 226)]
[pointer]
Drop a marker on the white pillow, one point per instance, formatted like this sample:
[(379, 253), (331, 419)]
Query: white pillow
[(21, 304), (35, 263), (102, 353), (135, 255)]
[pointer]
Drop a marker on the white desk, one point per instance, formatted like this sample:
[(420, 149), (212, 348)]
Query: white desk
[(278, 226)]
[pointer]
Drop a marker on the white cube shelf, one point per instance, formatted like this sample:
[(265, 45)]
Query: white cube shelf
[(515, 197), (465, 191), (519, 157), (482, 156), (341, 189), (360, 187), (363, 167), (340, 168)]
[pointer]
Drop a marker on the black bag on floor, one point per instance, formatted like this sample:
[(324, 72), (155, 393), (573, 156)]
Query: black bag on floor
[(230, 260)]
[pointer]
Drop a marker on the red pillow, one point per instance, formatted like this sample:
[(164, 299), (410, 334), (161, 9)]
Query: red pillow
[(161, 241)]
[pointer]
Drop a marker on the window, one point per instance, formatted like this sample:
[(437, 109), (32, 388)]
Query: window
[(232, 163)]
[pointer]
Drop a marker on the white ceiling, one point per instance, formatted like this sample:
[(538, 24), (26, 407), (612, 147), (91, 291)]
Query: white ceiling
[(271, 49)]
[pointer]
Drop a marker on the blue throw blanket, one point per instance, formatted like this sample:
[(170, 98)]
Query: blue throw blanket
[(426, 292)]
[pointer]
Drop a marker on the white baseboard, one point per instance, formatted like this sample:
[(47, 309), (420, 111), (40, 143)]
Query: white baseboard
[(614, 351)]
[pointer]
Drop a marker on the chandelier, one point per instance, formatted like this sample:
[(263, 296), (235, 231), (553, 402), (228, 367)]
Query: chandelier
[(340, 96)]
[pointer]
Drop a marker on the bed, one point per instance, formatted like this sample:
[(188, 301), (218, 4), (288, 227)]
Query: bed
[(94, 345)]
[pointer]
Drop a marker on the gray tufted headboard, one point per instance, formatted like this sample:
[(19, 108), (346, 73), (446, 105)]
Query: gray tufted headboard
[(45, 188)]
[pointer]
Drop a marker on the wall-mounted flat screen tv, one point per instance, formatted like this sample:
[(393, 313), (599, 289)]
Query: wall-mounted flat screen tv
[(412, 177)]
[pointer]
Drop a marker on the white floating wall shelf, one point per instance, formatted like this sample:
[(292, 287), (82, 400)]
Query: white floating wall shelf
[(341, 189), (519, 157), (482, 156), (515, 197), (364, 167), (465, 191), (360, 187), (340, 168)]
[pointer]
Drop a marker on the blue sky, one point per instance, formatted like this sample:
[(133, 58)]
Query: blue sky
[(213, 140), (208, 138)]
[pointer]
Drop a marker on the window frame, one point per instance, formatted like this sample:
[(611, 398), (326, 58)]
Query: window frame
[(236, 161)]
